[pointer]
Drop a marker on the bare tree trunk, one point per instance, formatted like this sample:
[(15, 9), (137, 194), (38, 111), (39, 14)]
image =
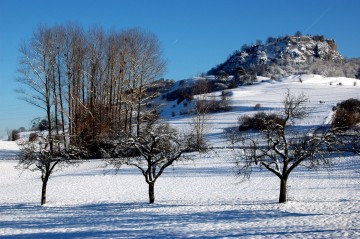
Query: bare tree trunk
[(55, 100), (48, 107), (43, 190), (283, 190), (61, 100), (151, 192), (138, 117)]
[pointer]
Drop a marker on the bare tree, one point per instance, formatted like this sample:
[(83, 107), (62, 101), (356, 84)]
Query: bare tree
[(201, 112), (282, 147), (199, 121), (145, 64), (37, 72), (41, 74), (75, 51), (44, 155), (155, 149)]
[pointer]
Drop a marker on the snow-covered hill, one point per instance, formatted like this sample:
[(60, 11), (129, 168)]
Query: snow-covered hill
[(282, 51), (199, 198)]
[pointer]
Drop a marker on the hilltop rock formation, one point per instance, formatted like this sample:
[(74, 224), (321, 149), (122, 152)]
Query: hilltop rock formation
[(282, 51)]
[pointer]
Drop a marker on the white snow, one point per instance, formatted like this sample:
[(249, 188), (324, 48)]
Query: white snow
[(194, 199)]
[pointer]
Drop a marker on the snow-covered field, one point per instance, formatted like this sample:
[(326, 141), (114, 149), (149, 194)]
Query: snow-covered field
[(194, 199)]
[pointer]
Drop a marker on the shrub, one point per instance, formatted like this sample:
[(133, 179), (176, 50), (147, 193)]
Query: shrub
[(233, 84), (43, 125), (347, 114), (215, 106), (260, 121), (257, 106), (33, 137), (220, 86), (14, 135), (350, 105)]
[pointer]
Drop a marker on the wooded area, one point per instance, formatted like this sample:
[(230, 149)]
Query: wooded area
[(91, 84)]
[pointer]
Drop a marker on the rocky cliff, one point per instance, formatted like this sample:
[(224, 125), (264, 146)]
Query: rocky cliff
[(289, 50)]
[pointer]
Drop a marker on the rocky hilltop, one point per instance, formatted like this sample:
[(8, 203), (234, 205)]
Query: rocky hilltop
[(282, 51)]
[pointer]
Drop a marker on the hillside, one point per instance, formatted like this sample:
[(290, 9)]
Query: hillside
[(324, 93)]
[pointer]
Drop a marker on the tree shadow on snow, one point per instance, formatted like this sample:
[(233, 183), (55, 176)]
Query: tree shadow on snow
[(8, 154), (137, 220)]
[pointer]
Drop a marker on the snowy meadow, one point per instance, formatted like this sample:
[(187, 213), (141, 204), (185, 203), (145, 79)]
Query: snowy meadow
[(200, 198)]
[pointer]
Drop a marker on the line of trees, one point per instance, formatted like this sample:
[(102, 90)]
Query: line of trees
[(90, 84)]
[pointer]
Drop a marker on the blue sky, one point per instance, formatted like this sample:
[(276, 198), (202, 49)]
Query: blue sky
[(195, 34)]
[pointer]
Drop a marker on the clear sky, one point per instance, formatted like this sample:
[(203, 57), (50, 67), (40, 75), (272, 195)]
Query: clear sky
[(195, 34)]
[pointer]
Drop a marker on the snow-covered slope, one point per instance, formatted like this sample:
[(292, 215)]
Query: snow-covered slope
[(199, 198), (323, 93)]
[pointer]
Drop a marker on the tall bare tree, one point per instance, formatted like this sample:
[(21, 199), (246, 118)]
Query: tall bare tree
[(37, 72), (145, 64), (201, 112), (75, 53), (41, 75)]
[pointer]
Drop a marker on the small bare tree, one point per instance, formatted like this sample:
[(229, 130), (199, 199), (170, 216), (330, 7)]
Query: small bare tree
[(282, 148), (199, 120), (155, 149), (44, 155), (201, 112)]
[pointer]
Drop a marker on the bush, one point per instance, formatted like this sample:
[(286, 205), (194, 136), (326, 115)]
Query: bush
[(14, 135), (347, 114), (350, 105), (33, 137), (260, 121), (257, 106), (43, 125), (233, 84), (215, 106), (220, 86)]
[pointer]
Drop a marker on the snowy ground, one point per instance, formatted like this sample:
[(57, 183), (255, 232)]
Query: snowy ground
[(194, 199)]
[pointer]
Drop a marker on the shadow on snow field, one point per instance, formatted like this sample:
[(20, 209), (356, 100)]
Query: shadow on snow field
[(131, 220)]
